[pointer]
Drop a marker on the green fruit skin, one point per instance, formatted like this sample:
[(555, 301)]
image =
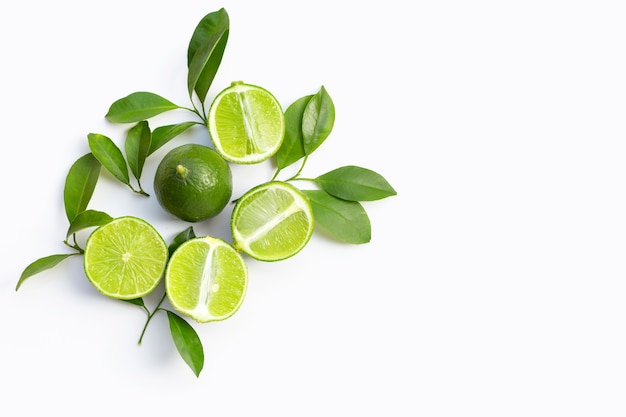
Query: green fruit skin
[(193, 182)]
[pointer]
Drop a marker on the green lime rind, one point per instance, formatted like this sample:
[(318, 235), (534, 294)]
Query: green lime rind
[(125, 258), (272, 222), (193, 182), (206, 279)]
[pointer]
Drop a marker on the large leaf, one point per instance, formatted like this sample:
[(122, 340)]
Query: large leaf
[(87, 219), (41, 265), (80, 184), (163, 134), (187, 342), (137, 147), (205, 51), (355, 183), (110, 156), (317, 121), (292, 148), (345, 220), (138, 106)]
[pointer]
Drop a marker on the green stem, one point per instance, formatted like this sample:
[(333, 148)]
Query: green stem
[(297, 174), (150, 315), (140, 190), (75, 245), (301, 179), (197, 112)]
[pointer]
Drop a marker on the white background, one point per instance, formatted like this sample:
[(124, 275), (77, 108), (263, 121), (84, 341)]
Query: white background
[(494, 284)]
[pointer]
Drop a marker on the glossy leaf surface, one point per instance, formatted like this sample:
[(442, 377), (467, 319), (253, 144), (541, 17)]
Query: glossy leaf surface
[(40, 265), (138, 106), (137, 147), (181, 238), (317, 121), (87, 219), (163, 134), (355, 183), (345, 220), (205, 51), (80, 184), (187, 342), (292, 148), (110, 156)]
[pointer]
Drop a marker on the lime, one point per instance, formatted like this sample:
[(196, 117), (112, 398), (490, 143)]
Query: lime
[(246, 123), (193, 182), (272, 221), (125, 258), (206, 279)]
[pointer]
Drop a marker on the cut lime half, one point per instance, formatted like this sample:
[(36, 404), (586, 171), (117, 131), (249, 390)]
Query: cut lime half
[(125, 258), (246, 123), (272, 221), (206, 279)]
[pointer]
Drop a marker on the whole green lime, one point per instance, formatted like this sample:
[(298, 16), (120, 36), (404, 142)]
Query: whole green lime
[(193, 182)]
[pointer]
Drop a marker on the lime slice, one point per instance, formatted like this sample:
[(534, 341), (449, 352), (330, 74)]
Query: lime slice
[(272, 221), (125, 258), (206, 279), (246, 123)]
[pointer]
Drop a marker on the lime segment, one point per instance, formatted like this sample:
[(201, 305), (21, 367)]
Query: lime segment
[(246, 123), (206, 279), (272, 221), (125, 258)]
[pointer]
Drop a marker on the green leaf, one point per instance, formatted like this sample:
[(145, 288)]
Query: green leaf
[(138, 106), (187, 342), (86, 219), (205, 51), (110, 156), (345, 220), (80, 184), (355, 183), (136, 301), (181, 238), (41, 265), (317, 121), (292, 148), (137, 147), (163, 134)]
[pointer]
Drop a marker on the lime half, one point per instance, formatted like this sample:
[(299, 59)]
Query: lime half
[(246, 123), (125, 258), (272, 221), (206, 279)]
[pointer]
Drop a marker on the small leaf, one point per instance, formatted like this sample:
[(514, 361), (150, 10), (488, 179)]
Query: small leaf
[(163, 134), (137, 147), (41, 265), (355, 183), (345, 220), (317, 121), (181, 238), (136, 301), (86, 219), (80, 184), (187, 342), (292, 148), (110, 156), (138, 106), (205, 51)]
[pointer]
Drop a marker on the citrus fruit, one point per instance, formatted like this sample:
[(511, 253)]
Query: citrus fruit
[(246, 123), (193, 182), (272, 221), (125, 258), (206, 279)]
